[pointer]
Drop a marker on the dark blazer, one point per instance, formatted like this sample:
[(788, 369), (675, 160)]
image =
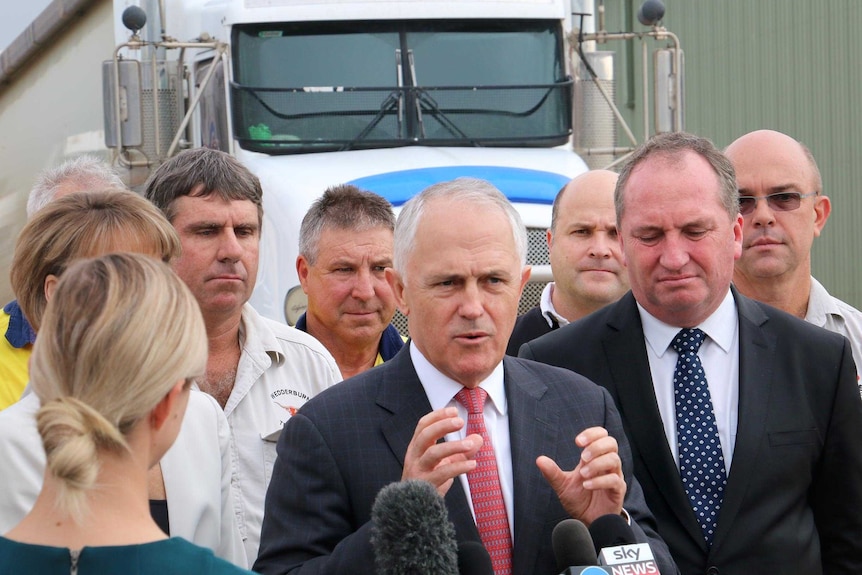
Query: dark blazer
[(793, 501), (348, 442), (528, 327)]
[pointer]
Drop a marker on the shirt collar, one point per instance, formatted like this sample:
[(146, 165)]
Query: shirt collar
[(301, 323), (440, 388), (720, 327), (391, 341), (256, 337), (19, 333), (820, 305), (546, 304)]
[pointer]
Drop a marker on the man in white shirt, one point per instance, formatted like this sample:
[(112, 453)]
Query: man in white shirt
[(259, 371), (555, 438), (784, 210), (744, 421)]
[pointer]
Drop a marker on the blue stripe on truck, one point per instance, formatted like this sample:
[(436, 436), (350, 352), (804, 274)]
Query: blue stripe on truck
[(518, 184)]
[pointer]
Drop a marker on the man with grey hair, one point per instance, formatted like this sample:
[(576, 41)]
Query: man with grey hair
[(744, 421), (75, 175), (260, 371), (81, 174), (546, 446), (345, 246)]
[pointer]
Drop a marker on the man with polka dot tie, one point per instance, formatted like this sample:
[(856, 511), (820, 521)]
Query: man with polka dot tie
[(745, 422)]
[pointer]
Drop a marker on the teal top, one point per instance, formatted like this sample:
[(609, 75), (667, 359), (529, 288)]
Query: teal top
[(165, 557)]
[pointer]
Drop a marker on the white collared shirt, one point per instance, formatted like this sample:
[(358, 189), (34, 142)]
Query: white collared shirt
[(719, 354), (831, 313), (280, 368), (546, 305), (441, 391)]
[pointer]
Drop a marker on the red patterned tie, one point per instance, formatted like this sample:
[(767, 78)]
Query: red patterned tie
[(485, 490)]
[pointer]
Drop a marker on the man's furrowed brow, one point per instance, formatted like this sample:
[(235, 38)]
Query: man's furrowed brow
[(205, 225)]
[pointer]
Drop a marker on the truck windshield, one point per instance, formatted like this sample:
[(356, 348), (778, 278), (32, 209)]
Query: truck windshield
[(304, 87)]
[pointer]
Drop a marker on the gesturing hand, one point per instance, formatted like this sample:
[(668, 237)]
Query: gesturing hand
[(596, 486), (440, 463)]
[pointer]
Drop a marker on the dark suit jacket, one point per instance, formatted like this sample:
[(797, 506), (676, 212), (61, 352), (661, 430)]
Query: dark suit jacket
[(528, 327), (793, 501), (348, 442)]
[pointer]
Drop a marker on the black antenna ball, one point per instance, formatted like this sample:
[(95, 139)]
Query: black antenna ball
[(651, 12), (134, 18)]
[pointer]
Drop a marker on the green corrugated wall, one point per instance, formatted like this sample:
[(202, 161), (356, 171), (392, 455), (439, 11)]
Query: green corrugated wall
[(789, 65)]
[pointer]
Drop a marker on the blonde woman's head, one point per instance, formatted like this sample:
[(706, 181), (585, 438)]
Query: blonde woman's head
[(84, 224), (117, 335)]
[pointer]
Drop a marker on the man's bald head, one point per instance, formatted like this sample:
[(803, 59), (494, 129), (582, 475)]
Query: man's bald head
[(592, 182), (783, 209), (584, 247), (764, 145)]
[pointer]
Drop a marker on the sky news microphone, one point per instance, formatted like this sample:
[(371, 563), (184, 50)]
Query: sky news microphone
[(411, 533), (618, 550), (611, 531), (473, 559)]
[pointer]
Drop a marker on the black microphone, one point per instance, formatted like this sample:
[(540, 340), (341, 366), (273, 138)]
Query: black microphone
[(411, 533), (572, 545), (611, 531), (618, 548), (473, 559)]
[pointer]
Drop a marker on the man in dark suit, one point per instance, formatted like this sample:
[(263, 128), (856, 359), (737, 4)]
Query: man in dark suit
[(554, 439), (586, 260), (787, 490)]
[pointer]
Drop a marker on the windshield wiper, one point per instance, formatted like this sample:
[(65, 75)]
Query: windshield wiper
[(429, 105), (391, 101), (425, 103)]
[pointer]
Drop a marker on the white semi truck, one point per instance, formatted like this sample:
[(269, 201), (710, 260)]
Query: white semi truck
[(390, 95)]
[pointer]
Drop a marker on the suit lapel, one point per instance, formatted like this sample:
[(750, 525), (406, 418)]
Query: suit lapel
[(532, 433), (626, 354), (402, 395), (757, 344)]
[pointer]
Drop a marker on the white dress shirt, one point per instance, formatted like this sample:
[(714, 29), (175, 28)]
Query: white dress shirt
[(441, 391), (719, 355), (546, 305)]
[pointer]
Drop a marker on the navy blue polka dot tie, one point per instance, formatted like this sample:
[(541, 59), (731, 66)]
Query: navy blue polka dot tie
[(701, 462)]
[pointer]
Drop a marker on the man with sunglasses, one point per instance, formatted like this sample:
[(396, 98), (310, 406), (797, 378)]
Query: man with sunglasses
[(784, 209)]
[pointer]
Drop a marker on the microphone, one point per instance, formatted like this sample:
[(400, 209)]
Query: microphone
[(473, 559), (411, 533), (572, 545), (618, 549), (611, 531)]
